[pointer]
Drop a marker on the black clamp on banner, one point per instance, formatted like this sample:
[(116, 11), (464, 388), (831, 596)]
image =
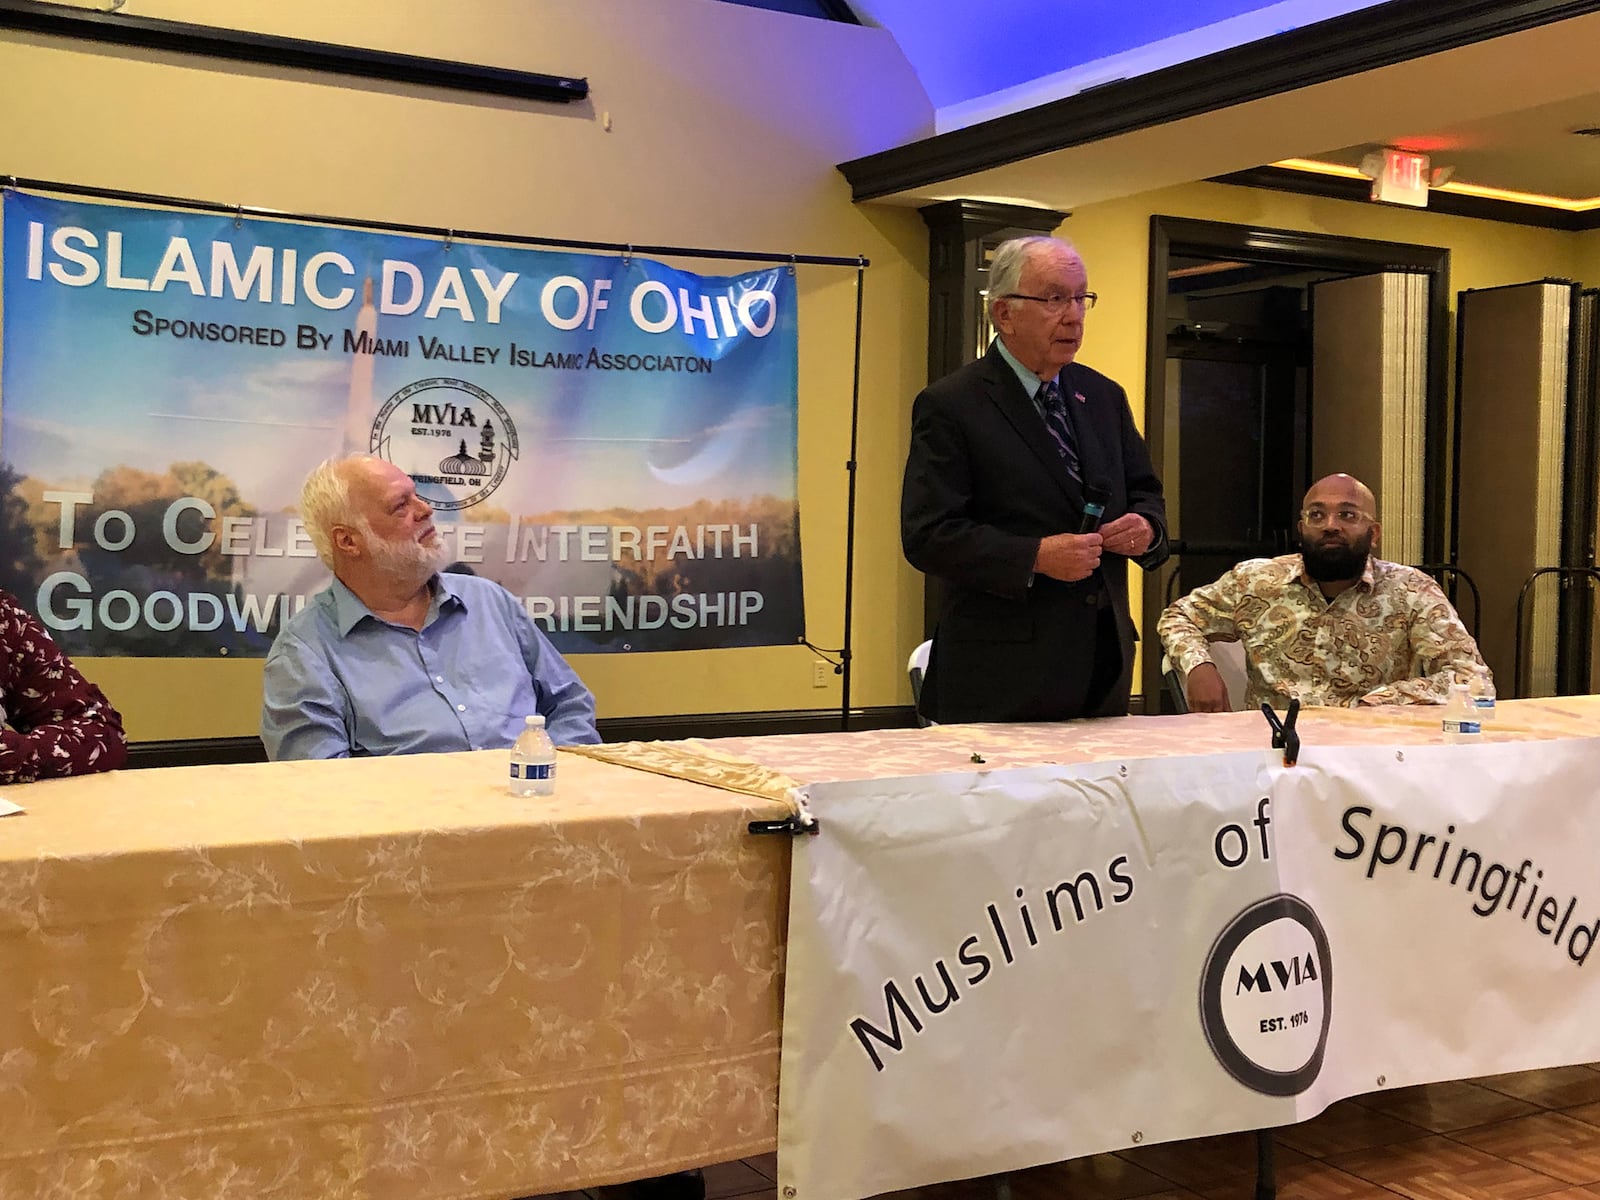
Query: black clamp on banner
[(1284, 735), (801, 822)]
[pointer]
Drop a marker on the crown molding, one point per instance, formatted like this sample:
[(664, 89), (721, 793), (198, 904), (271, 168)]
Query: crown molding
[(1361, 41)]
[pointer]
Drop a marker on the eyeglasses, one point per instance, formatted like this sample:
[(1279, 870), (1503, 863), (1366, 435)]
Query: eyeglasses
[(1316, 516), (1057, 303)]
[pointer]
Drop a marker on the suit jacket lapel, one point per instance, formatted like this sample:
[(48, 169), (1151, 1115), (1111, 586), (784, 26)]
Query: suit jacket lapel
[(1016, 405)]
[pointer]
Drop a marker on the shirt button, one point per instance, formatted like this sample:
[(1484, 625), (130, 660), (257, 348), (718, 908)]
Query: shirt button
[(438, 678), (461, 708)]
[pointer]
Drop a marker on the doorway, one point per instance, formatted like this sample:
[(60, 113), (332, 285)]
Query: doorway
[(1234, 377)]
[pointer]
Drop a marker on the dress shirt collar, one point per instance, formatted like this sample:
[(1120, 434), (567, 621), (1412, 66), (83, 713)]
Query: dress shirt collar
[(1366, 583), (349, 611), (1029, 381)]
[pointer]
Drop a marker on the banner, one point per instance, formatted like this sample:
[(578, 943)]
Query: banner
[(612, 439), (991, 971)]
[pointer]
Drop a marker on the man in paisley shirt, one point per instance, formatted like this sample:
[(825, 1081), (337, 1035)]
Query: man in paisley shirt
[(1332, 625), (55, 722)]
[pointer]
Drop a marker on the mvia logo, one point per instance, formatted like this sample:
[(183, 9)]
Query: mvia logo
[(1266, 996)]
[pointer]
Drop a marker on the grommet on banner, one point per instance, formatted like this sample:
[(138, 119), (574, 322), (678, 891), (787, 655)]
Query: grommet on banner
[(1284, 735), (793, 262), (449, 239), (627, 254), (238, 216)]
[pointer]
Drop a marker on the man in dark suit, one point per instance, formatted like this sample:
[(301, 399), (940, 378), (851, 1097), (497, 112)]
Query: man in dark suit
[(1005, 452)]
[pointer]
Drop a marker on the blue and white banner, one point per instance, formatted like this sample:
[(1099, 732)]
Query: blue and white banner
[(994, 970), (612, 439)]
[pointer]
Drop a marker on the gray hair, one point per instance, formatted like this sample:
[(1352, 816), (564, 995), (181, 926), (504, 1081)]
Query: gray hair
[(325, 502), (1005, 268)]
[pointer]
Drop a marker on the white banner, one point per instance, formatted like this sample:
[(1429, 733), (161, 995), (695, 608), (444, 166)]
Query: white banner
[(994, 970)]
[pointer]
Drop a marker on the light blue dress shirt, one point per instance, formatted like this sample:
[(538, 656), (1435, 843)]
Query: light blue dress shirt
[(1030, 382), (340, 681)]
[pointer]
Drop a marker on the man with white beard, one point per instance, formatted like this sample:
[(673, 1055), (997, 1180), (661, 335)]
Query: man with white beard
[(396, 658)]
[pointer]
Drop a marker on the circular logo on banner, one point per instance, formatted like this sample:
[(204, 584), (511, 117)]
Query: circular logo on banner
[(453, 438), (1266, 996)]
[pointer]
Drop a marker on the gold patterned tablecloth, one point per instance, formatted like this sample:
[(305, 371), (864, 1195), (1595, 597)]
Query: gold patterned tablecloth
[(772, 766), (388, 980), (383, 979)]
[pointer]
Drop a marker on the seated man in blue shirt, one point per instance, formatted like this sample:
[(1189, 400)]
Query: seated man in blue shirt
[(395, 658)]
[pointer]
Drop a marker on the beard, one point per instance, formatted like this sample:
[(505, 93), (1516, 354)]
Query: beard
[(1335, 562), (406, 562)]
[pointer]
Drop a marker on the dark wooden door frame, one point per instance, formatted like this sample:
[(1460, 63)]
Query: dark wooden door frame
[(1185, 237)]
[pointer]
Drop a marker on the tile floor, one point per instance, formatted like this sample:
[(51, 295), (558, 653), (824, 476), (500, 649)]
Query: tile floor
[(1507, 1137)]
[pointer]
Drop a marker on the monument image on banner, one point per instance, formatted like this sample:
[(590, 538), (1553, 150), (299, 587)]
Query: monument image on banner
[(612, 439)]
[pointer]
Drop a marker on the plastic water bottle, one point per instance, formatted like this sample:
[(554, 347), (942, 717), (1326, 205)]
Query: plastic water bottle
[(1461, 716), (1482, 692), (533, 761)]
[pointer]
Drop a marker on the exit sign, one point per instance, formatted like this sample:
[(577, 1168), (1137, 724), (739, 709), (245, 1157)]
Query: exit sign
[(1402, 178)]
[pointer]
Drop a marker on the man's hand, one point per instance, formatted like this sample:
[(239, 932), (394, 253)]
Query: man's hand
[(1205, 689), (1068, 557), (1129, 535)]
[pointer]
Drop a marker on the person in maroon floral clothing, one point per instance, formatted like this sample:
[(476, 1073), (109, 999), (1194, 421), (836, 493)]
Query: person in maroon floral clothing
[(55, 722)]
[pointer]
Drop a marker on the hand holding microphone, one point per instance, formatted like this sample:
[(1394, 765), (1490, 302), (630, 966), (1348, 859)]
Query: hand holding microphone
[(1073, 556), (1129, 535), (1070, 557)]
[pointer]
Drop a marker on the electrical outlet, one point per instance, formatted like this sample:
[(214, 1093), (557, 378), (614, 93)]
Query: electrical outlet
[(820, 673)]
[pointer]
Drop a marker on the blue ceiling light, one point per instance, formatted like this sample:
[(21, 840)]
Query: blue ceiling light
[(959, 56)]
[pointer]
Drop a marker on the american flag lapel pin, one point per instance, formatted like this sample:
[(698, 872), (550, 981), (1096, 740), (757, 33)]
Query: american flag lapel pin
[(1079, 397)]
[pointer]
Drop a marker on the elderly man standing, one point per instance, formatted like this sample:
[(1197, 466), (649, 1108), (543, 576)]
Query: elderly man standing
[(396, 658), (1331, 625), (1027, 491), (53, 721)]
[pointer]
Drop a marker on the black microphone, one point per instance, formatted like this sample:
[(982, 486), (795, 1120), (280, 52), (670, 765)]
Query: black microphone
[(1095, 499)]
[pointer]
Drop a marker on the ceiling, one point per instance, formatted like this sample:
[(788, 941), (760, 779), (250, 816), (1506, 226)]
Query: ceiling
[(1031, 51), (1500, 111), (1527, 150)]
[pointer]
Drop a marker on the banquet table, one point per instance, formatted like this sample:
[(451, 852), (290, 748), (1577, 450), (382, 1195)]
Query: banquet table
[(382, 978), (387, 978)]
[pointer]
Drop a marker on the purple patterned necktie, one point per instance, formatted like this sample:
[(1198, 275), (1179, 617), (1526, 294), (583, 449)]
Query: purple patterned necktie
[(1060, 427)]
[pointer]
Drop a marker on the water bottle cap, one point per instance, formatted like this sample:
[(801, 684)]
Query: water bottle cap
[(534, 722)]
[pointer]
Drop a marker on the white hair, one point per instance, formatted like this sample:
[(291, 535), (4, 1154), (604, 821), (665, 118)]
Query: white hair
[(325, 502), (1005, 268)]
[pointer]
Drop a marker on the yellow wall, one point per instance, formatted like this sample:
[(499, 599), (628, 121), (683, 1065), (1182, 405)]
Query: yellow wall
[(1586, 261), (1114, 238), (725, 125)]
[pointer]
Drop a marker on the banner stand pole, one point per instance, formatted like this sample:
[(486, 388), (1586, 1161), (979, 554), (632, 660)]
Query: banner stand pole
[(850, 506)]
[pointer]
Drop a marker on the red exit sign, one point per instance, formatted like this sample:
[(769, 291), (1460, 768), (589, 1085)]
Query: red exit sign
[(1403, 179)]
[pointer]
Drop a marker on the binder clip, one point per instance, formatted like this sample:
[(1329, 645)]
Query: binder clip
[(799, 822)]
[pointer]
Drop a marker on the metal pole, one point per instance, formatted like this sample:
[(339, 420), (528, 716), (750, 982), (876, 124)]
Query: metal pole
[(850, 504)]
